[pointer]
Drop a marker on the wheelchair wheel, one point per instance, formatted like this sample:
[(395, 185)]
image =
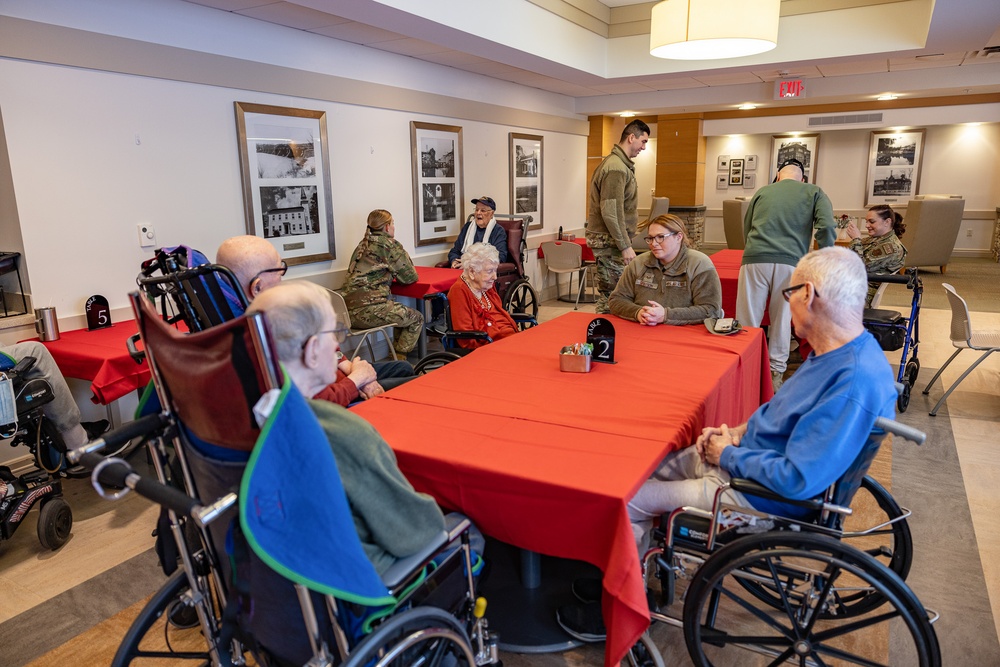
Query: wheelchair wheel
[(152, 638), (811, 573), (55, 520), (521, 298), (644, 654), (435, 360), (424, 636)]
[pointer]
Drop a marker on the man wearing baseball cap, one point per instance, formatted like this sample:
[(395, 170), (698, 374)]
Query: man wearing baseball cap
[(481, 229)]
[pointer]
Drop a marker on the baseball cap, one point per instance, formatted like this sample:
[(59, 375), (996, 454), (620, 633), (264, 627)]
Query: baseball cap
[(797, 163), (486, 201)]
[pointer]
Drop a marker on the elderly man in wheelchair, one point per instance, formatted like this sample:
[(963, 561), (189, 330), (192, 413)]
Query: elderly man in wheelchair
[(818, 434), (328, 527)]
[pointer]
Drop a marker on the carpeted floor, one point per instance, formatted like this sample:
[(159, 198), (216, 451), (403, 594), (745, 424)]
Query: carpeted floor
[(976, 279)]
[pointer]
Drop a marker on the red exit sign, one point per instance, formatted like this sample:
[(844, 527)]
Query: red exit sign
[(789, 88)]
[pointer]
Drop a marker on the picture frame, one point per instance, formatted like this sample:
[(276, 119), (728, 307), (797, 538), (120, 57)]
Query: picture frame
[(438, 186), (894, 160), (285, 166), (736, 171), (723, 163), (722, 181), (750, 163), (802, 147), (749, 181), (526, 152)]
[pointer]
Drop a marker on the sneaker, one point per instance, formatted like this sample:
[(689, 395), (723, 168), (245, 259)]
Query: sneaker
[(587, 589), (777, 378), (583, 621), (96, 429)]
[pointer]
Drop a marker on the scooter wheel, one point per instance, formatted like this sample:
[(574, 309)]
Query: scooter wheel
[(55, 520)]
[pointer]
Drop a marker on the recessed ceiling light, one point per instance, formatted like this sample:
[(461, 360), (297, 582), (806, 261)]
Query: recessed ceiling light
[(748, 106), (886, 97), (627, 114)]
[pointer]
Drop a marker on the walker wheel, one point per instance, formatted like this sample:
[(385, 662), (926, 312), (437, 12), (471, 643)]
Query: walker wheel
[(55, 520), (903, 400)]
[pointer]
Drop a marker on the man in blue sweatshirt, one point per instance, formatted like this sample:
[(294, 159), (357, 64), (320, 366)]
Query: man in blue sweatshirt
[(808, 435)]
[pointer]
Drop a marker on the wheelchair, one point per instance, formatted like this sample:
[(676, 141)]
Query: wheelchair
[(814, 591), (275, 596), (19, 493)]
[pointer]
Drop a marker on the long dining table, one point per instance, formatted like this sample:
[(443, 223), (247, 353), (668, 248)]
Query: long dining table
[(547, 460)]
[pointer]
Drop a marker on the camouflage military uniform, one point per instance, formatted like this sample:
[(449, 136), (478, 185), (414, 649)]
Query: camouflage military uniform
[(378, 260), (883, 254), (611, 220)]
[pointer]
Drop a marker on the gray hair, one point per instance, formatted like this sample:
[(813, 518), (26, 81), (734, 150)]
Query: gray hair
[(295, 311), (479, 256), (841, 281)]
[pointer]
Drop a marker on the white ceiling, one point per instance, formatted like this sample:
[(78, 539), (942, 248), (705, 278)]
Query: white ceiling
[(597, 50)]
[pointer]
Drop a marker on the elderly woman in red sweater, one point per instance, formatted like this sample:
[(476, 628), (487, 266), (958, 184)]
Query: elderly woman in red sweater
[(475, 304)]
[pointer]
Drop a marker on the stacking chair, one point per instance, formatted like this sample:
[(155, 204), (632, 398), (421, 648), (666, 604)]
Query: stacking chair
[(344, 317), (565, 257), (963, 337)]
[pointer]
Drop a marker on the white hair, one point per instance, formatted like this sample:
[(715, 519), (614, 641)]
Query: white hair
[(840, 279)]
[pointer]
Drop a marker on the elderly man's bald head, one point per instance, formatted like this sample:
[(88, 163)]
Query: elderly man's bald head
[(791, 171), (246, 257)]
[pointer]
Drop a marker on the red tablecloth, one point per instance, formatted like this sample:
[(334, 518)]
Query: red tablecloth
[(546, 460), (430, 280), (727, 264), (101, 357), (587, 256)]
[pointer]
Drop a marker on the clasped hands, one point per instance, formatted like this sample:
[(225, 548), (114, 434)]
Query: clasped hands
[(714, 439), (363, 375), (652, 314)]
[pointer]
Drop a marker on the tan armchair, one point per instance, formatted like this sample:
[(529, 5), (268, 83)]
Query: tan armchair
[(660, 206), (733, 211), (932, 223)]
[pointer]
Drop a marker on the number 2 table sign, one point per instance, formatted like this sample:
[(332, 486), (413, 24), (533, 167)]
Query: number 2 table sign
[(98, 313), (601, 334)]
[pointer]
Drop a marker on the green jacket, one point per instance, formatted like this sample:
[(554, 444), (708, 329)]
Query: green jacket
[(779, 223), (613, 202), (377, 261), (392, 519)]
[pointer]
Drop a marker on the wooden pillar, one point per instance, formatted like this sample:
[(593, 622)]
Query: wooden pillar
[(680, 159), (599, 143)]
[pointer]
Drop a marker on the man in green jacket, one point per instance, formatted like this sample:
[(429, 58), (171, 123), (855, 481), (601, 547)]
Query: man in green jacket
[(612, 216)]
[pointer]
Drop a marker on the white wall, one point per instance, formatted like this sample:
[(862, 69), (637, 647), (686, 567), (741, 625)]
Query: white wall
[(958, 159)]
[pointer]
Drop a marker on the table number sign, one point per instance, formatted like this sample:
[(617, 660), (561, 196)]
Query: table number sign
[(98, 313), (601, 334)]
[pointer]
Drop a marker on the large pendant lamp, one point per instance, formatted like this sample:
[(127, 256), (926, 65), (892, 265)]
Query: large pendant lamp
[(712, 29)]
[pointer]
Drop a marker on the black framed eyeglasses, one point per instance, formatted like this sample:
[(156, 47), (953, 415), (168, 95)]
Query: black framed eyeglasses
[(658, 239), (788, 291), (280, 270), (340, 334)]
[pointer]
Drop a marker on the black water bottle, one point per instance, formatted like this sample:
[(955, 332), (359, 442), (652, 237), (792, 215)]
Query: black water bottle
[(560, 233)]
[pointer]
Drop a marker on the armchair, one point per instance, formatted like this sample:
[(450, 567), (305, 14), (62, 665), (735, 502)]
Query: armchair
[(932, 223), (733, 212)]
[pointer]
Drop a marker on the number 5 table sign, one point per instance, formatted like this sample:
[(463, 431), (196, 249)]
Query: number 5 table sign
[(98, 313), (601, 334)]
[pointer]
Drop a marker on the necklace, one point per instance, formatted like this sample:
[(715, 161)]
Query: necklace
[(481, 298)]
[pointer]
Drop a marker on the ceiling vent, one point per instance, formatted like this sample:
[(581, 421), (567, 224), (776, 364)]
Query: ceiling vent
[(846, 119)]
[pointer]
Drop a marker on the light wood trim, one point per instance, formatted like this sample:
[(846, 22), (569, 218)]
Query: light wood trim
[(867, 105)]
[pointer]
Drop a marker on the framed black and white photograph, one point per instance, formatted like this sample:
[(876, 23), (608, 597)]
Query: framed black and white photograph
[(894, 166), (801, 147), (723, 163), (722, 181), (750, 163), (749, 181), (438, 200), (285, 166), (526, 177), (736, 171)]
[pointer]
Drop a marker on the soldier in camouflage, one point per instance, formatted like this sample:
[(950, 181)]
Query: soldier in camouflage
[(882, 251), (612, 216), (377, 260)]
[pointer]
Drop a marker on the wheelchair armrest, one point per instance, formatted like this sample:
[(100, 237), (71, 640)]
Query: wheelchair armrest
[(443, 265), (399, 571), (22, 367), (468, 335), (752, 488)]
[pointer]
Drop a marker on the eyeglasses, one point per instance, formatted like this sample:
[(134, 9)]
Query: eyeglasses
[(788, 291), (658, 239), (340, 334), (280, 270)]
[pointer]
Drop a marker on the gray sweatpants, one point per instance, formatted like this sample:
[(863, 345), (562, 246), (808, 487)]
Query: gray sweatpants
[(757, 283)]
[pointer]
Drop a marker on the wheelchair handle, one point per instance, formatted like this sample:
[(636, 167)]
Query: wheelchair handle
[(121, 435), (902, 430), (138, 356), (895, 279)]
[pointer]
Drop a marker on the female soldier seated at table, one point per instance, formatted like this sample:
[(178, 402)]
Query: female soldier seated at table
[(475, 304), (670, 284), (377, 260), (882, 252)]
